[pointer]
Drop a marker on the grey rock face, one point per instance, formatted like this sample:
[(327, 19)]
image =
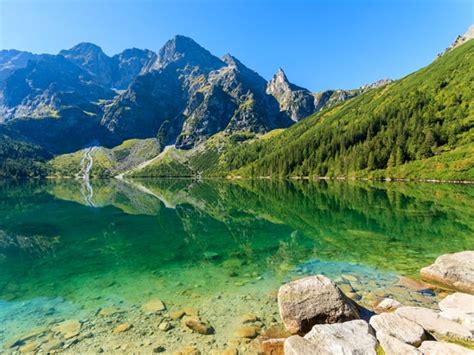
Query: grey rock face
[(111, 72), (128, 64), (401, 328), (313, 300), (349, 338), (196, 94), (455, 271), (92, 59), (297, 102), (11, 60)]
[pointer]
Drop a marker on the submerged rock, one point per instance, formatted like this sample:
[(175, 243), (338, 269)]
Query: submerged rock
[(353, 337), (29, 347), (68, 329), (438, 326), (198, 325), (386, 305), (455, 271), (441, 348), (313, 300), (249, 332), (401, 328), (122, 328), (153, 306)]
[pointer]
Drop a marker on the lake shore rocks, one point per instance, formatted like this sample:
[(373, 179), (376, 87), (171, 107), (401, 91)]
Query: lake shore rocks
[(401, 328), (313, 300), (352, 337), (394, 346), (454, 271), (441, 348), (439, 327)]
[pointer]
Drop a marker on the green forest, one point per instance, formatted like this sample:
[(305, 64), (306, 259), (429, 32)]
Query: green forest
[(426, 118)]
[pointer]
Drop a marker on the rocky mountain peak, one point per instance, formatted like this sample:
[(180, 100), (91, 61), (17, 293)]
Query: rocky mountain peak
[(461, 39), (83, 48), (185, 50), (281, 76)]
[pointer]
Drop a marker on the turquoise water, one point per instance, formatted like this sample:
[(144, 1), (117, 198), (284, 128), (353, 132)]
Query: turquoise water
[(67, 249)]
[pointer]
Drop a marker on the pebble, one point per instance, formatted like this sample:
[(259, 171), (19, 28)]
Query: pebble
[(122, 328), (249, 332), (154, 306)]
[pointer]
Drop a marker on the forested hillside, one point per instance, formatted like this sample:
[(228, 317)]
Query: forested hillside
[(418, 127), (21, 160)]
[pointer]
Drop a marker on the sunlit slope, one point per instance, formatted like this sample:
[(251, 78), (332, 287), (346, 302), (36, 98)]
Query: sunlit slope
[(420, 126)]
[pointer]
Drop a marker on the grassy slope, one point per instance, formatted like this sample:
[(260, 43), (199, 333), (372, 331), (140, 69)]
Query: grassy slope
[(215, 157), (107, 162), (435, 101)]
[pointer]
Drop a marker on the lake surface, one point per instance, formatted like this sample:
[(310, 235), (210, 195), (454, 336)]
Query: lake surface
[(68, 249)]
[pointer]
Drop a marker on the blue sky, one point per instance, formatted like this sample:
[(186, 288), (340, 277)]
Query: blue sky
[(320, 44)]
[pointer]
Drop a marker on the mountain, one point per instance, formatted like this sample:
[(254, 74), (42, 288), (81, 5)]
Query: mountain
[(11, 60), (298, 102), (421, 127), (110, 72), (181, 95), (188, 94), (461, 39)]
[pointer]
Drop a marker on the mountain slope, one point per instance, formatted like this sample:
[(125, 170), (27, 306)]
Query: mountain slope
[(426, 117), (21, 160)]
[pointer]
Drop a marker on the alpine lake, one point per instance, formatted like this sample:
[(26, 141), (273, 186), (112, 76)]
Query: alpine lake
[(97, 252)]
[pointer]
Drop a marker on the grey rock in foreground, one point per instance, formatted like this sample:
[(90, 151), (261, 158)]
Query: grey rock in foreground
[(458, 301), (394, 346), (455, 271), (438, 326), (459, 307), (353, 337), (396, 326), (441, 348), (313, 300)]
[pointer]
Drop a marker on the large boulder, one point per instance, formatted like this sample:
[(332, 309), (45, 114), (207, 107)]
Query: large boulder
[(455, 271), (401, 328), (439, 327), (441, 348), (313, 300), (350, 338), (459, 307), (394, 346), (462, 302)]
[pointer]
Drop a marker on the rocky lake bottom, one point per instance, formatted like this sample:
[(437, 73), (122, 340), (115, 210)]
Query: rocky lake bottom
[(171, 266)]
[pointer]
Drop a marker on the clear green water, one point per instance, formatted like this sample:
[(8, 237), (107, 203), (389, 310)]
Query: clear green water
[(66, 250)]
